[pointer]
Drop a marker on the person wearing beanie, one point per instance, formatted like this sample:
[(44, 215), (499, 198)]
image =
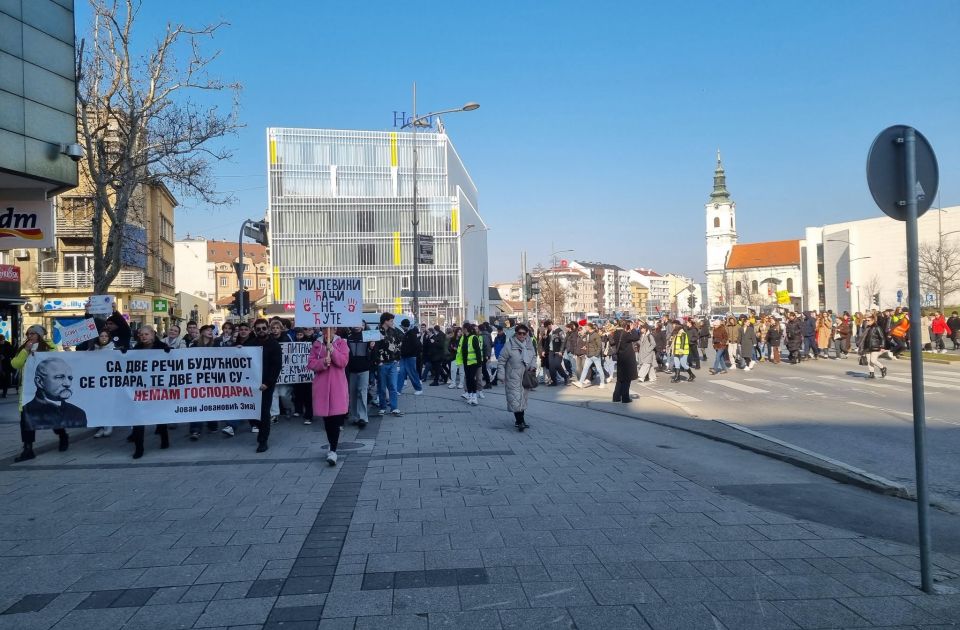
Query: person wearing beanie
[(410, 349), (36, 342)]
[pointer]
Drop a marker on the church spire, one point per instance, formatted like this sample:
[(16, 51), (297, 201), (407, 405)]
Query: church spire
[(720, 193)]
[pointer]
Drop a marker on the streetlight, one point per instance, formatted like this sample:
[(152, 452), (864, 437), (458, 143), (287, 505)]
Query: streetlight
[(415, 122)]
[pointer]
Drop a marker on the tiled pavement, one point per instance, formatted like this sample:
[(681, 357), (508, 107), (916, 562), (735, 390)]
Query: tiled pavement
[(445, 518)]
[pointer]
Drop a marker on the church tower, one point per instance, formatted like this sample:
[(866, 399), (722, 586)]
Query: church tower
[(721, 218)]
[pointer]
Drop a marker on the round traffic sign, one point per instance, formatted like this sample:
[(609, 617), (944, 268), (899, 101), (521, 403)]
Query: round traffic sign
[(886, 172)]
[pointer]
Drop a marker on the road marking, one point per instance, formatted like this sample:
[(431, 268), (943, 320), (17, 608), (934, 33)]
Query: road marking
[(677, 396), (741, 387), (908, 414), (949, 379), (898, 379), (859, 381)]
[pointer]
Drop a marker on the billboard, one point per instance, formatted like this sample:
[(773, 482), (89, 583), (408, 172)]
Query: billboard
[(26, 224)]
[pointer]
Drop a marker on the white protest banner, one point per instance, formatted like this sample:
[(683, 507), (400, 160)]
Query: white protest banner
[(372, 335), (75, 334), (100, 305), (294, 367), (112, 388), (328, 302)]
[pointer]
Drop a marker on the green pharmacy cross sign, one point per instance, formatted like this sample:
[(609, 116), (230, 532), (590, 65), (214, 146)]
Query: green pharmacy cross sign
[(160, 306)]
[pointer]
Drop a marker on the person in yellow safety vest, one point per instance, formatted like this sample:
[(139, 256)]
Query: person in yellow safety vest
[(680, 343), (899, 327), (469, 354)]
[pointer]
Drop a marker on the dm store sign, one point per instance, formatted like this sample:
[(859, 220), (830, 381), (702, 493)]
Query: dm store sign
[(26, 224)]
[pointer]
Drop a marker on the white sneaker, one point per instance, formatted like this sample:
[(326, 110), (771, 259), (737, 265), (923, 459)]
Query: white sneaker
[(452, 386), (578, 384), (609, 379), (383, 412), (460, 385), (98, 434), (254, 429), (746, 368), (307, 421), (418, 392), (107, 431), (602, 385), (397, 412), (227, 431), (465, 395), (480, 394), (332, 458), (473, 400)]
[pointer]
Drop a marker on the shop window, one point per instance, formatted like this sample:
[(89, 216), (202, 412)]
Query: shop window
[(789, 285)]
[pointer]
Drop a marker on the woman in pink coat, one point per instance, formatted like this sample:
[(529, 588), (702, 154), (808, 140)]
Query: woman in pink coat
[(331, 400)]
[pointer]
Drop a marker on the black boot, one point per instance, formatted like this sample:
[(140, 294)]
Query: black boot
[(26, 454), (64, 440), (676, 377), (692, 376), (138, 451)]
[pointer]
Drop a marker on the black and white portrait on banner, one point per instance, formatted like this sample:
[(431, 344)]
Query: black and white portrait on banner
[(104, 389)]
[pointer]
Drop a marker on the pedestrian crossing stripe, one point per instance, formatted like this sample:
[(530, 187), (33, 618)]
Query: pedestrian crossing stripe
[(741, 387), (865, 382), (926, 383)]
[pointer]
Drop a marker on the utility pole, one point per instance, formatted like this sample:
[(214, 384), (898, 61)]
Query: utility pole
[(416, 219)]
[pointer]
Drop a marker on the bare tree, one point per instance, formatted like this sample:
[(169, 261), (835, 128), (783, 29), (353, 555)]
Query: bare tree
[(141, 125), (553, 295), (940, 270), (871, 287)]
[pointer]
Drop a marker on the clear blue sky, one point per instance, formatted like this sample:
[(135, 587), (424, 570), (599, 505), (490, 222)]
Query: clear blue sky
[(599, 121)]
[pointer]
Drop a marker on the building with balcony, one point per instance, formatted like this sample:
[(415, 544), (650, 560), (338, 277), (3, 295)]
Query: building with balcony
[(658, 290), (38, 125), (207, 268), (341, 205), (611, 287), (57, 280)]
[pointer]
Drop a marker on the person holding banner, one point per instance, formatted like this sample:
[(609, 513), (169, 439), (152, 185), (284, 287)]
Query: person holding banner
[(272, 365), (35, 343), (328, 361), (147, 340)]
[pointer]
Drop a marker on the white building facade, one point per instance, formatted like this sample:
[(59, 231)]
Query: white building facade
[(341, 205), (856, 265), (193, 273), (658, 290)]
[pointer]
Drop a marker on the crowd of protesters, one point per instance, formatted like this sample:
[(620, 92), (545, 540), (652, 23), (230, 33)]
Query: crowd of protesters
[(354, 373)]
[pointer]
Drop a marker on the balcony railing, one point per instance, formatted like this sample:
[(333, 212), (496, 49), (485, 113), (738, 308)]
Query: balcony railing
[(74, 224), (84, 279)]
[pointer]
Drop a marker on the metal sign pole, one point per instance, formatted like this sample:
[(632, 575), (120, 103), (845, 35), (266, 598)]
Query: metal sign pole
[(916, 358)]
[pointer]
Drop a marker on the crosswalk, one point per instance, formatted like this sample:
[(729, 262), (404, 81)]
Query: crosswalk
[(888, 395)]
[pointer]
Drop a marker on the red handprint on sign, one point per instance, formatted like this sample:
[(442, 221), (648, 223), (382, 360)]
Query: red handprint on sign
[(306, 306), (351, 305)]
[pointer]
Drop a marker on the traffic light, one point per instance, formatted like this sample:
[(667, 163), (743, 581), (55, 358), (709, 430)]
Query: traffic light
[(876, 300), (532, 285), (691, 301), (235, 305)]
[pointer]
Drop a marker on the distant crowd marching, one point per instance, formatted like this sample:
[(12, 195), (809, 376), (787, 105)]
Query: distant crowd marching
[(352, 371)]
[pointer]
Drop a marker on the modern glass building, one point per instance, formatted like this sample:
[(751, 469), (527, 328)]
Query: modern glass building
[(341, 205)]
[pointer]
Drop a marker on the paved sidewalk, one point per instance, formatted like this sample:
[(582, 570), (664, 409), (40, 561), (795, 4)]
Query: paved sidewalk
[(445, 518)]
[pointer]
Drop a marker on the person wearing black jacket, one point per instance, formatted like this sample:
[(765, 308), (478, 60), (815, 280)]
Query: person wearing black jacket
[(871, 345), (622, 340), (953, 323), (272, 364), (147, 340), (551, 349), (693, 335), (410, 349), (437, 355), (358, 376)]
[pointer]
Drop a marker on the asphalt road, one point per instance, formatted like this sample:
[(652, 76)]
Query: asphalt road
[(829, 407)]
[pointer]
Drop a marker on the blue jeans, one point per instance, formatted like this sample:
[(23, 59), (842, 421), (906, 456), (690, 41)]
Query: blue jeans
[(388, 382), (408, 367), (719, 365), (596, 362), (680, 362)]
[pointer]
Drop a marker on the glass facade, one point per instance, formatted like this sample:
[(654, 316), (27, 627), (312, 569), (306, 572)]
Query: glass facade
[(341, 204)]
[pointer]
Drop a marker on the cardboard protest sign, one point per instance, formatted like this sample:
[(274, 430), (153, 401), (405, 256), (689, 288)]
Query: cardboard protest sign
[(100, 305), (328, 302), (110, 388), (294, 367), (75, 334), (372, 335)]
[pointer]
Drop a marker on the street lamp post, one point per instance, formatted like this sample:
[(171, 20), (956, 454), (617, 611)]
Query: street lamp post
[(415, 122)]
